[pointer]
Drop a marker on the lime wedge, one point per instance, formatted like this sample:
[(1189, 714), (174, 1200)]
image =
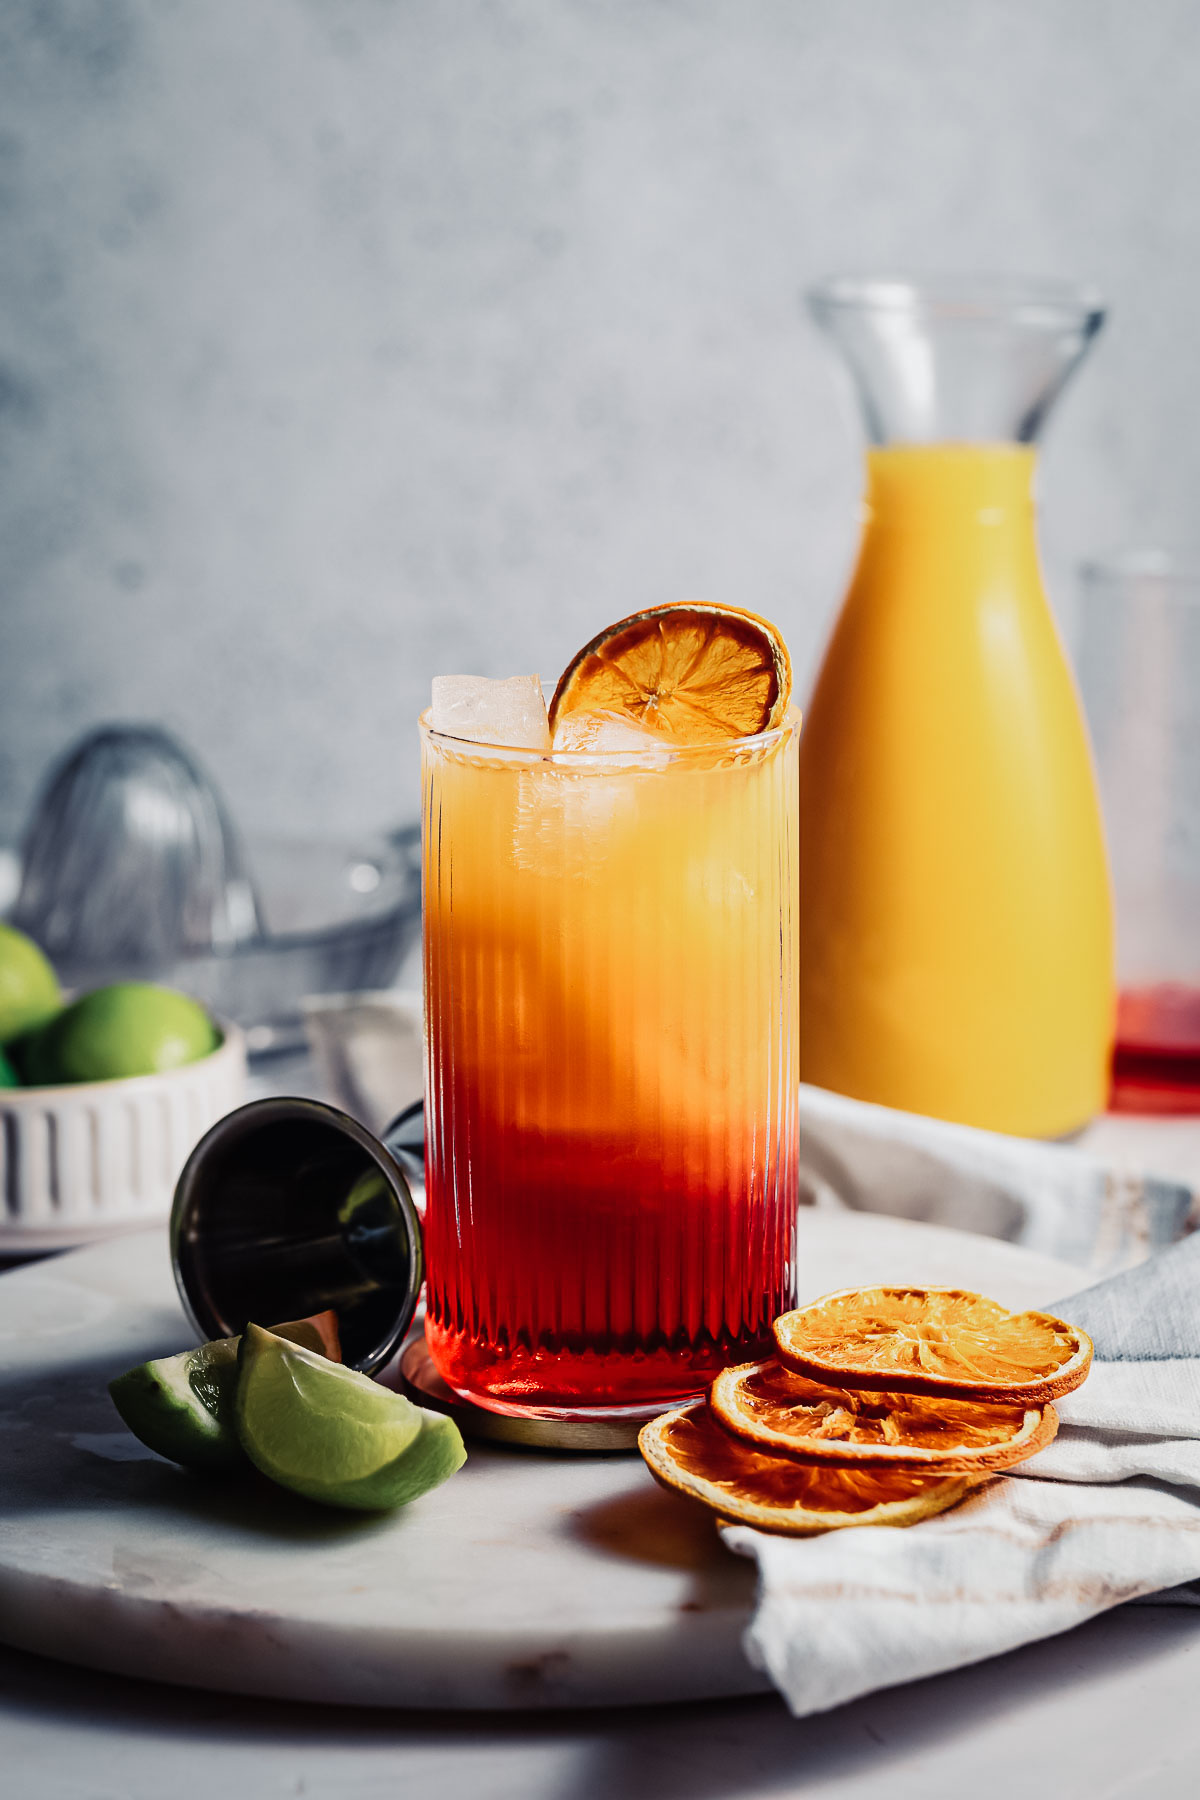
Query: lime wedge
[(182, 1406), (334, 1435)]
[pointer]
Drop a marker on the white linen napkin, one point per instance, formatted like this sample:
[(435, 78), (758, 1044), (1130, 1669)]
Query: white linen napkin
[(1109, 1512)]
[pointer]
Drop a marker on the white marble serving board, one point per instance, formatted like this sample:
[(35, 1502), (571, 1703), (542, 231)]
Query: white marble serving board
[(529, 1580)]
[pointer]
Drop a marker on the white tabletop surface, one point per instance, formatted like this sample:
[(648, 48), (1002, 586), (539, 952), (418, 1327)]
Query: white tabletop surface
[(1108, 1712)]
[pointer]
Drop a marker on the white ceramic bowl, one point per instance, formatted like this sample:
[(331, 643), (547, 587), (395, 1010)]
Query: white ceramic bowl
[(92, 1158)]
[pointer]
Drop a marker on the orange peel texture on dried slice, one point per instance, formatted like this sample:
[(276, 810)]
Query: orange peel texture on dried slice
[(935, 1341), (693, 674), (785, 1414), (688, 1451)]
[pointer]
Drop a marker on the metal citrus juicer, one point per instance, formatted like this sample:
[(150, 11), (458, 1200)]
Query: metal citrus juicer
[(287, 1207)]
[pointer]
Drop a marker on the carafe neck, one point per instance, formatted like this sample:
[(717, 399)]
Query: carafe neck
[(972, 360), (940, 488)]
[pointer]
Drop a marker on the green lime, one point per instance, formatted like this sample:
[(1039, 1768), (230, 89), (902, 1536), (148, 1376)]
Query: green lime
[(131, 1028), (29, 992), (182, 1406), (334, 1435), (8, 1075)]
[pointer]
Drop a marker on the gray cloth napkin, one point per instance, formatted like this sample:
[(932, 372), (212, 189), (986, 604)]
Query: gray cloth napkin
[(1094, 1212), (1109, 1512)]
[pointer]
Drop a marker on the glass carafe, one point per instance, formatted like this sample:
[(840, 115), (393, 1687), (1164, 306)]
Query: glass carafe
[(956, 921)]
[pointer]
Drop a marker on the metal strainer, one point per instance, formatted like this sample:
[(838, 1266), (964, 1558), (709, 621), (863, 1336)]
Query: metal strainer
[(129, 860)]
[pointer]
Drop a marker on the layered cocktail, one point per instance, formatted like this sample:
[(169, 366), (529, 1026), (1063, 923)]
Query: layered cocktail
[(610, 942)]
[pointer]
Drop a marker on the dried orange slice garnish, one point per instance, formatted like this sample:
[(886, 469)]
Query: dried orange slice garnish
[(781, 1413), (937, 1341), (694, 674), (688, 1450)]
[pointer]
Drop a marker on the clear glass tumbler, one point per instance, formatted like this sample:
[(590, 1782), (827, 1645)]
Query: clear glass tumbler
[(1139, 668), (611, 1014)]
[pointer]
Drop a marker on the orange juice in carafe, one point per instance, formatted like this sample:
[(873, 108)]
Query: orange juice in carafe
[(956, 925)]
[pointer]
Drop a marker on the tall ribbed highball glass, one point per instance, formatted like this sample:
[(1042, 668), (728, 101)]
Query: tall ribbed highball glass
[(611, 1111)]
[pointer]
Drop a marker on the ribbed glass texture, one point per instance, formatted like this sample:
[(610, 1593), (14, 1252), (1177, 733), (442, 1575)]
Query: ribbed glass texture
[(611, 1005)]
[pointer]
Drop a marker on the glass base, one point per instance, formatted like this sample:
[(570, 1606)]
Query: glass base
[(1156, 1064), (599, 1384), (1142, 1084), (605, 1413), (417, 1376)]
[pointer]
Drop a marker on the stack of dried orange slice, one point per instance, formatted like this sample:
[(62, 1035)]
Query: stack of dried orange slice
[(882, 1406)]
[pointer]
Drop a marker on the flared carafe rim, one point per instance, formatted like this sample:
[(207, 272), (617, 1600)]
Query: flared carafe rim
[(966, 298)]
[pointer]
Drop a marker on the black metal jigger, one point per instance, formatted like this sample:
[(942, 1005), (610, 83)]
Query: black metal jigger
[(287, 1207)]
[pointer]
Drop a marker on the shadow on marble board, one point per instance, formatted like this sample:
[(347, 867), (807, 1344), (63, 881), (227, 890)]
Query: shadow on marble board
[(63, 1447), (648, 1525)]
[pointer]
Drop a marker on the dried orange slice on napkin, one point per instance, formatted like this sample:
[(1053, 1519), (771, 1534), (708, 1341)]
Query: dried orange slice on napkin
[(693, 674), (785, 1414), (687, 1450), (935, 1341)]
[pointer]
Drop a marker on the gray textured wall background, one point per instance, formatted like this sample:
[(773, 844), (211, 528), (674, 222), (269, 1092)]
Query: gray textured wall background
[(347, 341)]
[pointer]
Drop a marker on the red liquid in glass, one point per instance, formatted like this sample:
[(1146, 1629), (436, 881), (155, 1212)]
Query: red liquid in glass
[(1156, 1063), (599, 1273)]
